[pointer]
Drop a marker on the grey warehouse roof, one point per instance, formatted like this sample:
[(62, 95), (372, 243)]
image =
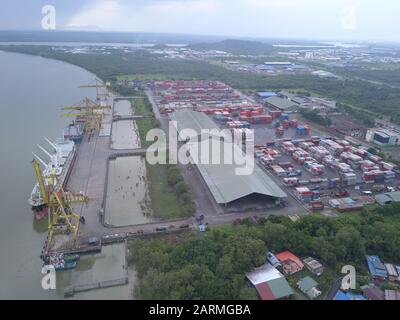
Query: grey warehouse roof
[(281, 103), (226, 186), (386, 198), (223, 182), (188, 119)]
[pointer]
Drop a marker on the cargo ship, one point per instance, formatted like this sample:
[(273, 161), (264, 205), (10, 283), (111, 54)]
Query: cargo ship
[(60, 163)]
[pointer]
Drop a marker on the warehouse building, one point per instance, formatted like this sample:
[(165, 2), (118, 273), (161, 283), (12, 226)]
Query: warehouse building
[(226, 186), (281, 104), (387, 198), (266, 94)]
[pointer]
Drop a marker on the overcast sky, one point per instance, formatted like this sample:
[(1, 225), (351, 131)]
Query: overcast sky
[(326, 19)]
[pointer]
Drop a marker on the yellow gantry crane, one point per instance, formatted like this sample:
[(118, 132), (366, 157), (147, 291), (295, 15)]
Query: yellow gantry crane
[(101, 89), (90, 114), (62, 218)]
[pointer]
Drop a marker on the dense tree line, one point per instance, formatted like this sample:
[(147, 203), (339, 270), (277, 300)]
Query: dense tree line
[(380, 99), (313, 115), (212, 265), (180, 187)]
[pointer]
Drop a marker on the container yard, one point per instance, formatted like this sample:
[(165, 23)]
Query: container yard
[(326, 169), (312, 167)]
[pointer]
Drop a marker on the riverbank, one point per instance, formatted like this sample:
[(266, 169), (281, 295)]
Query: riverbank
[(30, 110)]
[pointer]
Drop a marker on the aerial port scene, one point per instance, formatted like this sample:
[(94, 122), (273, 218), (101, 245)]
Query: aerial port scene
[(149, 162)]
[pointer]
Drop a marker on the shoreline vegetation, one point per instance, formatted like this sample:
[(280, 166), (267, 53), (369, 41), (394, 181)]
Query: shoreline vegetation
[(353, 94), (212, 265)]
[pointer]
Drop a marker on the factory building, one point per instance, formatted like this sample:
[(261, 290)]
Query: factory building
[(383, 137)]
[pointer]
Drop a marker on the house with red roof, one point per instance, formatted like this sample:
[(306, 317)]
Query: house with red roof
[(290, 263), (269, 283)]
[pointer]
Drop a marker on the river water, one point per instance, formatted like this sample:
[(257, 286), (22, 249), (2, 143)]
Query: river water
[(32, 91)]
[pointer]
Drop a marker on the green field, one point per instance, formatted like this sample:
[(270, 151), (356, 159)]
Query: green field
[(164, 201)]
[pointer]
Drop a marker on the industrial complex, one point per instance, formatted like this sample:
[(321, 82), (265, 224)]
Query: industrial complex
[(94, 190)]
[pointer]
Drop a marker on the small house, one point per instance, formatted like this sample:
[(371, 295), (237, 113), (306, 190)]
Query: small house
[(392, 272), (308, 286), (373, 293), (314, 266), (377, 268), (290, 263), (269, 283), (392, 295)]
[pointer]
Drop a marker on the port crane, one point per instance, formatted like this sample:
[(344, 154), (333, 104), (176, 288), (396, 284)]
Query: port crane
[(62, 217), (341, 192), (89, 113), (101, 89)]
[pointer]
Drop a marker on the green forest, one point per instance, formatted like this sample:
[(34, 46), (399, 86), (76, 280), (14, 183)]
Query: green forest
[(314, 116), (378, 99), (212, 265)]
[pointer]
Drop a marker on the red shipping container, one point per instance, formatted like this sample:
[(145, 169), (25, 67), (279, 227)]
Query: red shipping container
[(275, 114), (293, 123), (286, 124)]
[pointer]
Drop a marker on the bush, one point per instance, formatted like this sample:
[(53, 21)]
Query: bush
[(181, 188), (186, 197)]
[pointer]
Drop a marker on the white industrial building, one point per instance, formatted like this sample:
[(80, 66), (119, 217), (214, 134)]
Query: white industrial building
[(383, 137)]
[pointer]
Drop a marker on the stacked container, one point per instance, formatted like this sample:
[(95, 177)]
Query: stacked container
[(350, 178), (283, 117), (280, 131), (301, 130), (260, 119), (285, 124), (366, 165), (279, 171), (293, 123), (275, 114), (314, 168), (291, 181), (304, 194), (389, 176), (288, 148), (332, 146)]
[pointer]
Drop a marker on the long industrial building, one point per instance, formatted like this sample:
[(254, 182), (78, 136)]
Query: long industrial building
[(225, 185)]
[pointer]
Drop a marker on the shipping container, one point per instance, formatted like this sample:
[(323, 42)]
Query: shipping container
[(293, 123), (275, 114), (283, 117)]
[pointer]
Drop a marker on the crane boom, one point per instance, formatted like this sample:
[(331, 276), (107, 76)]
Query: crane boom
[(40, 179), (44, 150), (39, 159)]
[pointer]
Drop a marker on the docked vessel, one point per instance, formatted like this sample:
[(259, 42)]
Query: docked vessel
[(61, 257), (61, 261), (60, 163), (74, 132)]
